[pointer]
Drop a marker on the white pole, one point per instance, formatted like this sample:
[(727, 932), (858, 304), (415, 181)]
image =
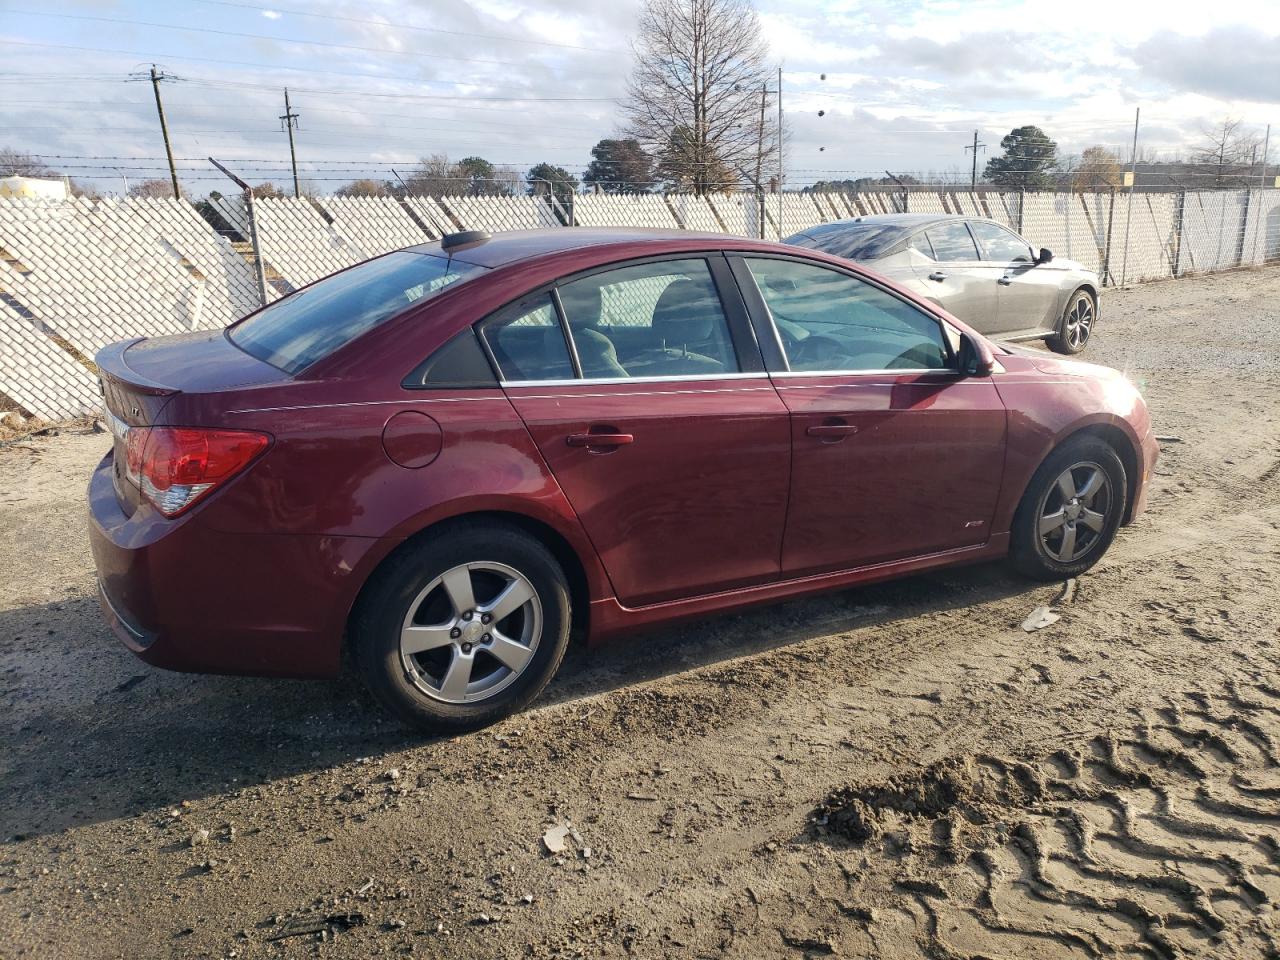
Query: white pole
[(780, 171), (1128, 217)]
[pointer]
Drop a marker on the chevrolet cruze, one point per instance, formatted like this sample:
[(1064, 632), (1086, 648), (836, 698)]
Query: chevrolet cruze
[(443, 461)]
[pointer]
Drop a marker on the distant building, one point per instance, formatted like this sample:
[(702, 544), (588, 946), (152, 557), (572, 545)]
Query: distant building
[(31, 188)]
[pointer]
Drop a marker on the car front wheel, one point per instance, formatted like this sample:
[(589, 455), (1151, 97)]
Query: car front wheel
[(1070, 511), (1076, 325), (463, 627)]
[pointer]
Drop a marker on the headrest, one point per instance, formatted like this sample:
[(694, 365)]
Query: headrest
[(687, 312), (583, 304)]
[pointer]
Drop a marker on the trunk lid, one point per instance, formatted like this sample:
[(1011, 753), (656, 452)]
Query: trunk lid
[(140, 377)]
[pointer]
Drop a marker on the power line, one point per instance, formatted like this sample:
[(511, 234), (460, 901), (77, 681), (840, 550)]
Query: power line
[(263, 36), (338, 73)]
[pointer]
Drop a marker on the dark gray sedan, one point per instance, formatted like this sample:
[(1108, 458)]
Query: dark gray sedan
[(975, 269)]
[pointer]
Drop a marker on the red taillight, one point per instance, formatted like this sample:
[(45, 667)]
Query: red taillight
[(176, 466)]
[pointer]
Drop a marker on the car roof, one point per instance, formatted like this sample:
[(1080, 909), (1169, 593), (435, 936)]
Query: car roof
[(511, 246)]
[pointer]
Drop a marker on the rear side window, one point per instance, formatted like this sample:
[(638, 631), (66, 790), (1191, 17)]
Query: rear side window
[(313, 322), (527, 341), (952, 241), (853, 241), (661, 319)]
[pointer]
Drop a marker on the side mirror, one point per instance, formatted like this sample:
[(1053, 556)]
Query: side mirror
[(976, 358), (1046, 255)]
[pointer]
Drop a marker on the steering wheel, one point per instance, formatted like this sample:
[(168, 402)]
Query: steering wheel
[(814, 349)]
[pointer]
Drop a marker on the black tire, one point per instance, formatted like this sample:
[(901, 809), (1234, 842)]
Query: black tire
[(1041, 556), (401, 681), (1075, 326)]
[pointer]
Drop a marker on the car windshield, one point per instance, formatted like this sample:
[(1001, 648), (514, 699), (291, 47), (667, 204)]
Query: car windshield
[(312, 323), (853, 241)]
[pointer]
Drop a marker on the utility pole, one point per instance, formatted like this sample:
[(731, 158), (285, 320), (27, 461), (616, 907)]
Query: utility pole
[(973, 180), (290, 122), (764, 97), (1266, 145), (780, 180), (164, 130), (1133, 182)]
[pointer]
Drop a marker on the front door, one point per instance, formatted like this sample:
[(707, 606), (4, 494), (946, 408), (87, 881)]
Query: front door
[(666, 435), (1028, 291), (894, 453), (956, 278)]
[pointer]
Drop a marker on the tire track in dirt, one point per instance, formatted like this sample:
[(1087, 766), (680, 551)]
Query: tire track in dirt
[(1158, 837)]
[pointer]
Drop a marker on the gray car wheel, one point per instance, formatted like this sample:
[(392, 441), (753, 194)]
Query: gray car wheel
[(1070, 510), (1076, 324), (463, 627)]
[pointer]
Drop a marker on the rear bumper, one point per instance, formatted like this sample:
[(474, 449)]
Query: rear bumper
[(186, 597)]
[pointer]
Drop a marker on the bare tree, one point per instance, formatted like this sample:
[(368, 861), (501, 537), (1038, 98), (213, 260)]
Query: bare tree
[(695, 95), (364, 188), (152, 189), (1230, 149), (1098, 169), (16, 164)]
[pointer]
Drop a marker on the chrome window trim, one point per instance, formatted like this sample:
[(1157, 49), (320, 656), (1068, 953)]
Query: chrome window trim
[(880, 372), (597, 381)]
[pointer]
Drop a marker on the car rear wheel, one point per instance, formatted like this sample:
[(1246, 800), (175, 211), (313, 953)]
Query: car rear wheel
[(1070, 512), (463, 628), (1076, 324)]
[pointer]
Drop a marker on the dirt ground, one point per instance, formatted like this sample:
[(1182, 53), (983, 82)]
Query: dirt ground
[(895, 771)]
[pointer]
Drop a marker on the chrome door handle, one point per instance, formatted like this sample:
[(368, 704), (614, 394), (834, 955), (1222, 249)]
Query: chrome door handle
[(830, 432), (1005, 281), (599, 439), (938, 275)]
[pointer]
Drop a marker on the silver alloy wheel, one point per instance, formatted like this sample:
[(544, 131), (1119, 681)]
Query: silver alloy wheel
[(471, 632), (1073, 512), (1079, 322)]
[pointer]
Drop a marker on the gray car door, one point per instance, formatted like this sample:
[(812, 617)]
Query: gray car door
[(955, 277), (1028, 291)]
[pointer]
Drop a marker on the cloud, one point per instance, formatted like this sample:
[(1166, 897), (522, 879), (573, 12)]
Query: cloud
[(271, 14), (992, 55), (1234, 63)]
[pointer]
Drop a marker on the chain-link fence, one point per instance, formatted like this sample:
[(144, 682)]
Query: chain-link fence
[(78, 274)]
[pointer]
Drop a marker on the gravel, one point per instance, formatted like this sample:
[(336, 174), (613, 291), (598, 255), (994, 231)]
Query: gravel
[(1126, 806)]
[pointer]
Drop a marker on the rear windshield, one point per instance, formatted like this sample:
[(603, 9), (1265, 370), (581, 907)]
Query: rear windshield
[(853, 241), (305, 326)]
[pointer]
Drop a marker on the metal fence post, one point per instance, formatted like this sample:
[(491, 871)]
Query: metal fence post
[(1106, 244), (260, 268), (1178, 226), (1022, 203)]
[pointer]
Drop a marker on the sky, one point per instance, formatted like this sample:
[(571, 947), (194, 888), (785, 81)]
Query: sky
[(902, 84)]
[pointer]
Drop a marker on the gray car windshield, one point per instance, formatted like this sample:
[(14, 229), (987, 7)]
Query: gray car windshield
[(853, 241), (312, 323)]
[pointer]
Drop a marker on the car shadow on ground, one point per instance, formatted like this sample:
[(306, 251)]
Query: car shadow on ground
[(97, 735)]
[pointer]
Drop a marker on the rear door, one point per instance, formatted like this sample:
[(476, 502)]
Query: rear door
[(1028, 294), (644, 389), (894, 453), (957, 279)]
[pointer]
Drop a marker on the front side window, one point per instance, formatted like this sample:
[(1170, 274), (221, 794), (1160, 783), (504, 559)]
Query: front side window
[(1000, 244), (830, 321), (951, 242), (527, 341), (313, 322), (661, 319)]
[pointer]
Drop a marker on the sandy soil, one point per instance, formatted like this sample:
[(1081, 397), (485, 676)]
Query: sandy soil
[(896, 771)]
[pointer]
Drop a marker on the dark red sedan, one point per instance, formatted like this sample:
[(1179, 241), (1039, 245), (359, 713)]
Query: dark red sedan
[(448, 457)]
